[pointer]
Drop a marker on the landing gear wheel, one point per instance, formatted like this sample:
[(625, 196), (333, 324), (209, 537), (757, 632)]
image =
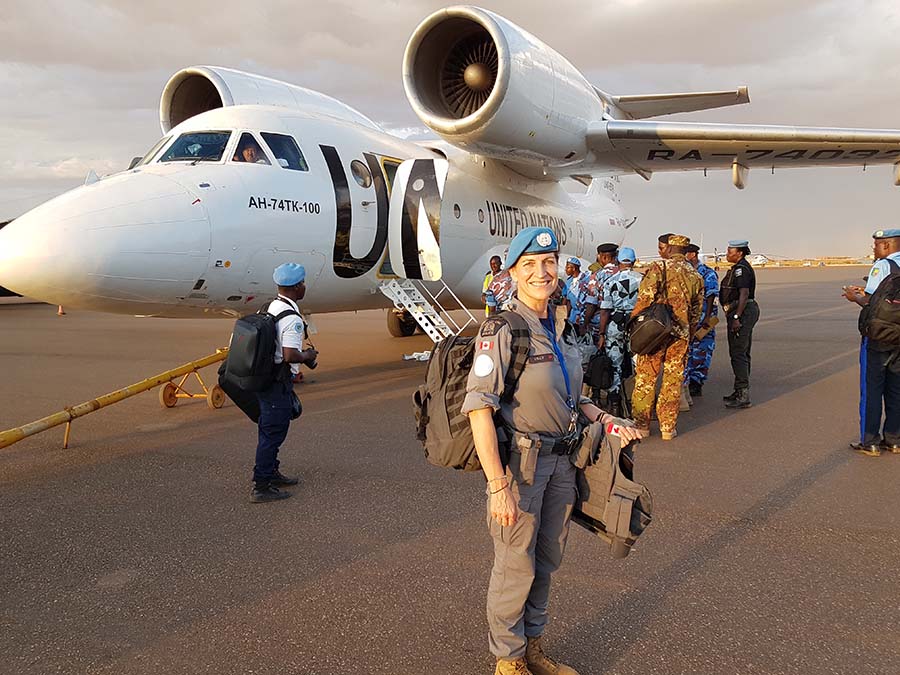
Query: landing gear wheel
[(215, 397), (401, 324), (168, 395)]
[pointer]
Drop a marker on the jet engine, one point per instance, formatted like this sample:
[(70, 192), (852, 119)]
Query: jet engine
[(484, 84), (195, 90)]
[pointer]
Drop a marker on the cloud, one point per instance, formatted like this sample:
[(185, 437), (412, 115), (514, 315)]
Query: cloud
[(82, 80)]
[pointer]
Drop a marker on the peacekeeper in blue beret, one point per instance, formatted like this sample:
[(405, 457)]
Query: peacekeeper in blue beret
[(737, 295), (276, 402), (531, 494), (878, 363)]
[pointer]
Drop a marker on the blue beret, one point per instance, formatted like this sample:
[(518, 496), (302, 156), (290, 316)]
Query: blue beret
[(738, 243), (573, 261), (886, 234), (628, 254), (289, 274), (531, 240)]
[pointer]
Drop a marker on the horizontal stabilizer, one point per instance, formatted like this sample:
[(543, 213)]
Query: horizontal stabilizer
[(651, 105)]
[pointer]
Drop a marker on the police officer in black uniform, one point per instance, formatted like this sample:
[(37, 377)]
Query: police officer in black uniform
[(738, 298)]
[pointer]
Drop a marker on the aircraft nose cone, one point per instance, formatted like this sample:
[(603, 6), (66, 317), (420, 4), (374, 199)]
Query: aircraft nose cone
[(130, 238)]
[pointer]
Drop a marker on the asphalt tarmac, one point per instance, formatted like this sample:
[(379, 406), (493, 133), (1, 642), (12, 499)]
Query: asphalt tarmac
[(774, 548)]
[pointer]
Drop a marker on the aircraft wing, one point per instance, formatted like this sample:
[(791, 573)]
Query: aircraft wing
[(648, 147)]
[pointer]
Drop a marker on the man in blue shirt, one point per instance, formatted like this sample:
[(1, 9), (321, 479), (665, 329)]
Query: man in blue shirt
[(879, 365)]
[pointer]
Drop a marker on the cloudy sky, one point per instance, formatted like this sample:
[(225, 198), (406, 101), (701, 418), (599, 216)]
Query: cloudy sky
[(81, 81)]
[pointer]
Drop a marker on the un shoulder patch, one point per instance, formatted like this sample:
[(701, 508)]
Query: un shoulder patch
[(492, 327)]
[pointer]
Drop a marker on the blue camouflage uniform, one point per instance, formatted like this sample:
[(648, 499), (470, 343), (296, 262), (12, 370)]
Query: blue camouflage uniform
[(701, 352), (619, 297)]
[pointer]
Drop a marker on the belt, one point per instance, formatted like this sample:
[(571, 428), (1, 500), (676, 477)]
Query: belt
[(550, 445)]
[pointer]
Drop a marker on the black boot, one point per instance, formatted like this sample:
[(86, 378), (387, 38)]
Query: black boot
[(730, 397), (695, 389), (279, 479), (741, 399), (266, 492)]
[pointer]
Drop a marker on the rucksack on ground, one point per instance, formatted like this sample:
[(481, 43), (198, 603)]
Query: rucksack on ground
[(880, 321), (441, 425), (250, 365)]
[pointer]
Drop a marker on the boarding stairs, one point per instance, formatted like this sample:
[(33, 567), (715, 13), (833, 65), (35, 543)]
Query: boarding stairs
[(427, 308)]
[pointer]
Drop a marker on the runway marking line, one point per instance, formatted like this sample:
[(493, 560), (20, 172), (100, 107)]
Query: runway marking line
[(824, 362), (767, 322)]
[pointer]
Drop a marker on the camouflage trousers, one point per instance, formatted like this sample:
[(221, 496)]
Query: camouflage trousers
[(700, 358), (671, 361), (617, 350)]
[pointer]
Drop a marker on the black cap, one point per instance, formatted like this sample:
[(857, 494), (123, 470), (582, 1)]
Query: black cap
[(664, 238), (692, 248), (608, 248)]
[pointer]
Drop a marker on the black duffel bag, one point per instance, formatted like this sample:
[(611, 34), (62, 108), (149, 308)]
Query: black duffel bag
[(653, 328), (599, 371)]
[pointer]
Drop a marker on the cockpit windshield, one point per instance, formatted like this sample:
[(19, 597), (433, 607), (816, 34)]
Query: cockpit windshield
[(197, 146), (151, 153)]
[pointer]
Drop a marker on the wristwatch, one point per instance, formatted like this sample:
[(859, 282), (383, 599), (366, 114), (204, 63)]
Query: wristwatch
[(737, 316)]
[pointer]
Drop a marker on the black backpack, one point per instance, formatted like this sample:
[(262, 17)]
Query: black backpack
[(654, 327), (441, 425), (250, 365), (880, 320)]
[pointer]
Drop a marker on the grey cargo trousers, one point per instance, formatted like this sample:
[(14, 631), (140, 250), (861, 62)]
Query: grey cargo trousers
[(527, 553)]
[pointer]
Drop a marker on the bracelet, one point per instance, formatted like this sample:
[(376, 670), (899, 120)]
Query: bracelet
[(502, 488), (492, 480)]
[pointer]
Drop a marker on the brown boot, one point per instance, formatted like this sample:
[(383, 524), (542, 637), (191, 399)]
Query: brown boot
[(541, 664), (512, 667)]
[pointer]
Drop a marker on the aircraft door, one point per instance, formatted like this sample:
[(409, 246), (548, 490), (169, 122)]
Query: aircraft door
[(579, 238), (415, 217)]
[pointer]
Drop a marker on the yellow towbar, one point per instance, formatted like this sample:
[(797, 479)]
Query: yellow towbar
[(213, 395)]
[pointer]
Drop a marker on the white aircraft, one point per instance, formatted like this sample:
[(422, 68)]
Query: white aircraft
[(252, 172)]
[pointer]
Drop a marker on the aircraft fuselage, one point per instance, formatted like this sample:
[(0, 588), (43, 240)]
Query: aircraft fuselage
[(201, 238)]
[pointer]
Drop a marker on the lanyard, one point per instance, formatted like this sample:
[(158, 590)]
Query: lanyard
[(570, 402)]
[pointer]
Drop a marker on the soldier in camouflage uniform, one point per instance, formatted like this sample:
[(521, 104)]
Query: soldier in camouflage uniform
[(619, 297), (684, 288), (701, 351)]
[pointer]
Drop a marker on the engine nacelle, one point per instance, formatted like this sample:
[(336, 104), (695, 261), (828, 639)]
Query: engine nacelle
[(197, 89), (486, 85)]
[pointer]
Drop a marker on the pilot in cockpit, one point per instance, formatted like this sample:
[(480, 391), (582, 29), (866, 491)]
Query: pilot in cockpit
[(248, 150)]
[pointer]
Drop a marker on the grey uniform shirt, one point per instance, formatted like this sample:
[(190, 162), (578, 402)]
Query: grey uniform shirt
[(539, 404)]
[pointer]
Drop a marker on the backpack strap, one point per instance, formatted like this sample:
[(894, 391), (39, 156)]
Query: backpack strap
[(895, 268), (521, 346), (278, 317)]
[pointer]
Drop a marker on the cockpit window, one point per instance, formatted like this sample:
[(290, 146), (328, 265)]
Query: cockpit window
[(287, 152), (248, 150), (151, 153), (198, 146)]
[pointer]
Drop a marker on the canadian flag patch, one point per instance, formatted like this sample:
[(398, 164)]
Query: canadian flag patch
[(485, 345)]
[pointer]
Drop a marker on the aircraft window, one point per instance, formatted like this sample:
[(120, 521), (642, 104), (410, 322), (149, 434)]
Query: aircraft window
[(151, 153), (287, 152), (198, 146), (249, 150), (361, 173)]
